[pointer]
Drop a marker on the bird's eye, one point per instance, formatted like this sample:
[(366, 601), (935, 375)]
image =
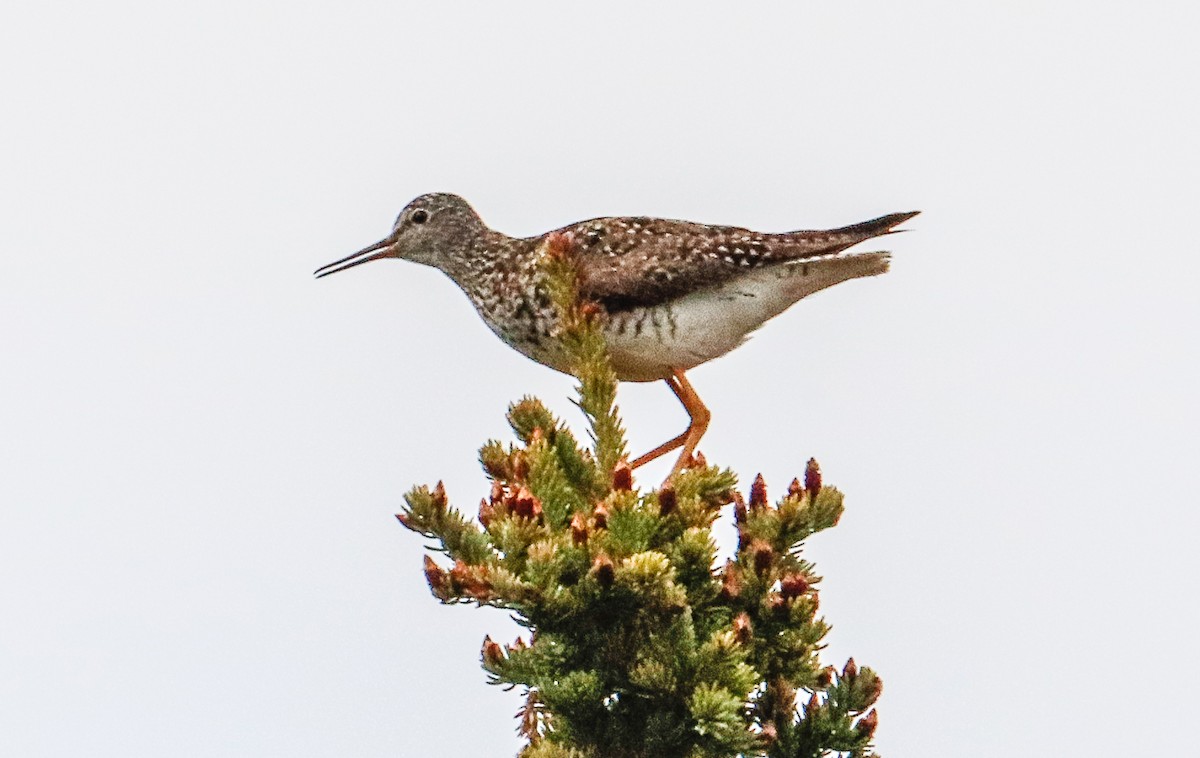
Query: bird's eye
[(419, 216)]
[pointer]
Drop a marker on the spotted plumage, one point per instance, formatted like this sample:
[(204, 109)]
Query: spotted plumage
[(677, 294), (638, 261)]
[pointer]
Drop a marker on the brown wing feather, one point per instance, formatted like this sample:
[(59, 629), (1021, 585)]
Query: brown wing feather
[(636, 262)]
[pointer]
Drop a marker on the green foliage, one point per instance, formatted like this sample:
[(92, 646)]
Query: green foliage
[(639, 644)]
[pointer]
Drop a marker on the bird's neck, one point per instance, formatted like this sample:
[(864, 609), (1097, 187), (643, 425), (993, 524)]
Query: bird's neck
[(475, 254), (482, 259)]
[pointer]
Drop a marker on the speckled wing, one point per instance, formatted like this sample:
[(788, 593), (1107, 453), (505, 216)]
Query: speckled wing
[(632, 262)]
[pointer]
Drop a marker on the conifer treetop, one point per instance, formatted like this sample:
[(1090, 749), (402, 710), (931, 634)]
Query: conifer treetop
[(638, 644)]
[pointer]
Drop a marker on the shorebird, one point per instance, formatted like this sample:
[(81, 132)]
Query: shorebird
[(675, 294)]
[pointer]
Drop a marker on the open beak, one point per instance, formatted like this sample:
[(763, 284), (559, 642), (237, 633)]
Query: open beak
[(381, 249)]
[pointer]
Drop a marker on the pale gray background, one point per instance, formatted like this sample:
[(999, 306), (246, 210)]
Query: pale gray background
[(202, 448)]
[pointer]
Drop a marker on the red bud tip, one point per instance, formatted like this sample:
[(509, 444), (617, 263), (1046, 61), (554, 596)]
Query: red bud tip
[(667, 502), (486, 513), (867, 724), (731, 582), (699, 461), (770, 734), (559, 244), (590, 310), (529, 720), (403, 519), (758, 492), (793, 585), (742, 628), (436, 576), (739, 508), (622, 478), (825, 676), (762, 554), (470, 580), (579, 531), (600, 517), (526, 505), (603, 570), (795, 489), (492, 654), (537, 435), (439, 496), (497, 493), (876, 689), (812, 478), (813, 706), (850, 670)]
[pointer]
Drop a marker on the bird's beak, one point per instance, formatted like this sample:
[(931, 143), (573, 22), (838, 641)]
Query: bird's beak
[(384, 248)]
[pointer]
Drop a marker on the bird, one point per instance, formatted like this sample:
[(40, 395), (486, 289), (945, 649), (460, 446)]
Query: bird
[(674, 294)]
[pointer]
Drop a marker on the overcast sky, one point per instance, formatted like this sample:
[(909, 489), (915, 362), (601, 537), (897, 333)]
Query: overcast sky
[(201, 448)]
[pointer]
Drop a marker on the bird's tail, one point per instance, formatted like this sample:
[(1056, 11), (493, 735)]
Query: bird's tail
[(814, 244), (876, 227)]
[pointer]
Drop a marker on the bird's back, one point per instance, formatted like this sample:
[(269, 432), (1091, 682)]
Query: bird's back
[(630, 262)]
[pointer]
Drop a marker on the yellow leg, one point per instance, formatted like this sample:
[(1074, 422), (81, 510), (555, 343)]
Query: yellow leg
[(699, 417), (672, 444)]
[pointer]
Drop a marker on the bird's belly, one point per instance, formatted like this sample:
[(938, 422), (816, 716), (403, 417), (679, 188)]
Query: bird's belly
[(646, 344)]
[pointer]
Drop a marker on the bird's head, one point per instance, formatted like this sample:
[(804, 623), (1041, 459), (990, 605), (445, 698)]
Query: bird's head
[(434, 229)]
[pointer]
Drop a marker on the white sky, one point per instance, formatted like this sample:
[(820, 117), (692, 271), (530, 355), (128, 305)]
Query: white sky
[(202, 448)]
